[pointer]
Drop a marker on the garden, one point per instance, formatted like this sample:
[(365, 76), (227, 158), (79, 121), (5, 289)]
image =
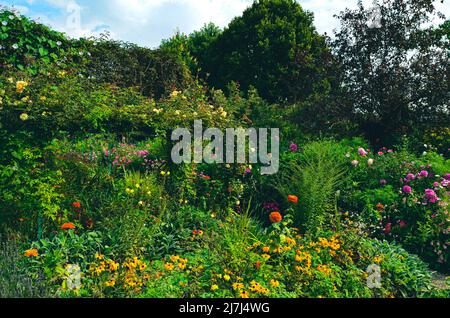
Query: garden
[(92, 205)]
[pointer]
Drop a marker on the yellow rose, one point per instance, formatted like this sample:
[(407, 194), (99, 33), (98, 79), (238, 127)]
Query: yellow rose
[(20, 86)]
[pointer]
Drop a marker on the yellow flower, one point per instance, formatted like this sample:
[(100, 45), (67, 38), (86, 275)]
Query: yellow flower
[(100, 269), (174, 94), (244, 294), (377, 260), (169, 267), (182, 265), (226, 277), (174, 258), (324, 269), (265, 256), (238, 286), (274, 283), (214, 287), (142, 266), (111, 283), (113, 266), (99, 256), (20, 86), (24, 117), (266, 249)]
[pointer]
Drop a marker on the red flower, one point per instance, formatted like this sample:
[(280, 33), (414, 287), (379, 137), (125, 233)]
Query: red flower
[(258, 265), (388, 228), (293, 199), (76, 205), (68, 226), (275, 217)]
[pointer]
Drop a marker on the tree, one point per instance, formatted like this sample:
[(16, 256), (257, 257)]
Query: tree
[(155, 73), (200, 42), (178, 46), (274, 47), (394, 72), (192, 50)]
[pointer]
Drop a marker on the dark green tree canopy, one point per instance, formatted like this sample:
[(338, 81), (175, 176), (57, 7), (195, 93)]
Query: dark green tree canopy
[(394, 74), (274, 47)]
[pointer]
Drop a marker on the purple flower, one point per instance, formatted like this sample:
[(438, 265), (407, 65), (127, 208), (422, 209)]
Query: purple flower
[(142, 153), (293, 147), (407, 189), (362, 152), (436, 184), (383, 182), (447, 176), (410, 177), (423, 174), (431, 196), (271, 206)]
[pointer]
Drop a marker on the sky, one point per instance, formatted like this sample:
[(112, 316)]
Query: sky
[(147, 22)]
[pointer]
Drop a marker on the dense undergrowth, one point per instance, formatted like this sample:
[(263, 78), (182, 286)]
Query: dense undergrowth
[(92, 206)]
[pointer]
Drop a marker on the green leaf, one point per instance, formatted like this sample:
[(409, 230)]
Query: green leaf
[(42, 51)]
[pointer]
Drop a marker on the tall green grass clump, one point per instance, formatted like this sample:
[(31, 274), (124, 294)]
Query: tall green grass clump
[(314, 175)]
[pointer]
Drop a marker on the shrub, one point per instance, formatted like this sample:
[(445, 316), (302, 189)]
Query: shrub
[(16, 281), (155, 73)]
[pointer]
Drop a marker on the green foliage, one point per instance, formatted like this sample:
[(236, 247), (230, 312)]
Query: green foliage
[(155, 73), (416, 220), (30, 46), (315, 174), (406, 272), (393, 77), (16, 280), (274, 47), (86, 179)]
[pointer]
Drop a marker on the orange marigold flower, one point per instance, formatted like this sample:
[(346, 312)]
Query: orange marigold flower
[(275, 217), (31, 253), (293, 198), (76, 205), (68, 226)]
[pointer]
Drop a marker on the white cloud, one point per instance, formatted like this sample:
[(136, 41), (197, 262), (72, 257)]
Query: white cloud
[(147, 22)]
